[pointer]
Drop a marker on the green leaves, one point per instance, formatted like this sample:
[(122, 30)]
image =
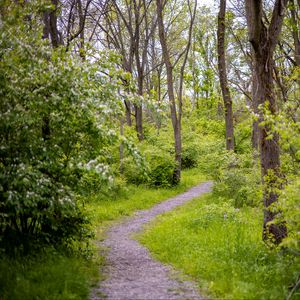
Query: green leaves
[(58, 114)]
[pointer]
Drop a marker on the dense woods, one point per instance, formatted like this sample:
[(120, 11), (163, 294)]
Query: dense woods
[(102, 100)]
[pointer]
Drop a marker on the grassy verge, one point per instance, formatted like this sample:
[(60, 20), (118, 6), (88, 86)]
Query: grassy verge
[(49, 276), (102, 211), (221, 248), (57, 276)]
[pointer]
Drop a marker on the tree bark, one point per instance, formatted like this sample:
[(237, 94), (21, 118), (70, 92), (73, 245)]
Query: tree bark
[(295, 31), (254, 102), (223, 77), (50, 25), (170, 86), (264, 40)]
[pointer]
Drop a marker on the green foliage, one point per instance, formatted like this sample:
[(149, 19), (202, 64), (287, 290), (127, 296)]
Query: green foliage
[(242, 134), (238, 179), (162, 167), (135, 197), (49, 277), (57, 116), (190, 150), (290, 207), (158, 170), (221, 248), (190, 156)]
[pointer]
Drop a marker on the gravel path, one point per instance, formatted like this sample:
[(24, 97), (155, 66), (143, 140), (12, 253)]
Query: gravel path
[(131, 271)]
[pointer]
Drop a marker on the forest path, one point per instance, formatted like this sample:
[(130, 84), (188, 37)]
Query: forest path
[(131, 271)]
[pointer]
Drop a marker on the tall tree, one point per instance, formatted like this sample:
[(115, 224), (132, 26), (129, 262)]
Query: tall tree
[(223, 77), (175, 108), (295, 20), (264, 39)]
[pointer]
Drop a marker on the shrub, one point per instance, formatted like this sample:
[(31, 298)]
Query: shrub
[(239, 180), (190, 156), (290, 207), (57, 114), (162, 168), (133, 172)]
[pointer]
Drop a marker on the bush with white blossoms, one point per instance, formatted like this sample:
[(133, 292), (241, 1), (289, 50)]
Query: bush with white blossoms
[(57, 114)]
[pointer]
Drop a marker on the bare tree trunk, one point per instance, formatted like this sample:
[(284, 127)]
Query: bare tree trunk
[(82, 17), (255, 124), (50, 25), (128, 113), (139, 111), (51, 32), (140, 70), (295, 30), (264, 40), (170, 85), (223, 77), (121, 146)]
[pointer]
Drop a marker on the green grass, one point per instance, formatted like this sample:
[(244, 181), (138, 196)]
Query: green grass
[(103, 210), (221, 248), (48, 277), (62, 277)]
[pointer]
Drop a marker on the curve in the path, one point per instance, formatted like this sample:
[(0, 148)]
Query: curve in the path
[(132, 273)]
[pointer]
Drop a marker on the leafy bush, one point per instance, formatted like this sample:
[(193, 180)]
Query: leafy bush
[(190, 150), (157, 171), (133, 172), (238, 179), (211, 155), (162, 167), (189, 157), (290, 206), (57, 114), (242, 135)]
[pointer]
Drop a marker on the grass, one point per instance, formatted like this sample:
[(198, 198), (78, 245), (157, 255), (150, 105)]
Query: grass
[(102, 211), (220, 247), (58, 276), (47, 277)]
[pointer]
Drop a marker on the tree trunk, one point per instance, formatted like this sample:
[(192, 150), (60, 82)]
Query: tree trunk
[(295, 30), (223, 77), (264, 40), (269, 150), (170, 85), (255, 124)]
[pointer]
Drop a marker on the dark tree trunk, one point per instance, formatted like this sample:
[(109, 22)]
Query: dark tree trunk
[(50, 31), (264, 40), (223, 77), (50, 25), (139, 111), (128, 112)]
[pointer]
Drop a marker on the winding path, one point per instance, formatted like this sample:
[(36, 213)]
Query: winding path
[(131, 271)]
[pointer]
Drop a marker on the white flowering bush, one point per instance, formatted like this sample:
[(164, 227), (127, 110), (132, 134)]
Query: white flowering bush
[(57, 117)]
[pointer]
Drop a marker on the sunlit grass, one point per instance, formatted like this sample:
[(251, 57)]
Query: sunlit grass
[(138, 197), (221, 248)]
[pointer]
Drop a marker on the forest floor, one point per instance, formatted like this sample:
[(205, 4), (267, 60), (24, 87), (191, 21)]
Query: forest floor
[(131, 272)]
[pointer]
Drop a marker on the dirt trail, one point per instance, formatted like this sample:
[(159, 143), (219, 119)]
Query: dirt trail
[(131, 271)]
